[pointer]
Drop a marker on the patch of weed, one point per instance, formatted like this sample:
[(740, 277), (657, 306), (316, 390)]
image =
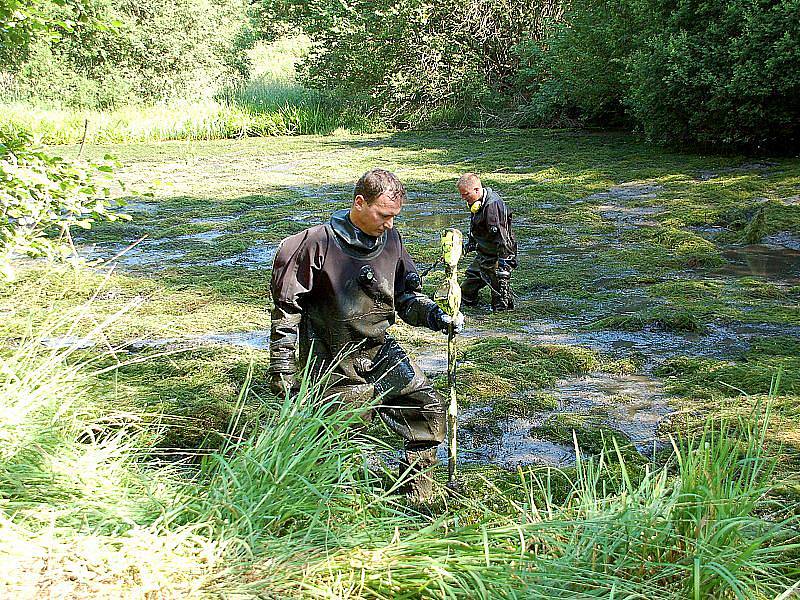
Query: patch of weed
[(658, 319)]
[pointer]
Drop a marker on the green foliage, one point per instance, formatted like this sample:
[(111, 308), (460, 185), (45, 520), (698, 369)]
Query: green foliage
[(717, 73), (22, 22), (414, 61), (714, 73), (575, 73), (42, 197), (155, 50)]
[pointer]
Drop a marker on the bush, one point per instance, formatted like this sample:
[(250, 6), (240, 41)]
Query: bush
[(415, 60), (43, 196), (713, 73), (155, 50)]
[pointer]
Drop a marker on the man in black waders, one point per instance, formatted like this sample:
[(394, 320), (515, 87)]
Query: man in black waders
[(490, 235), (337, 288)]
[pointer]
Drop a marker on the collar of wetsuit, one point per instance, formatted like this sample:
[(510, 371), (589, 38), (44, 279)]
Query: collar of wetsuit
[(351, 235), (480, 202)]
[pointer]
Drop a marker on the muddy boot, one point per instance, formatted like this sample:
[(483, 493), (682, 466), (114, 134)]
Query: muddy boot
[(417, 465), (504, 298)]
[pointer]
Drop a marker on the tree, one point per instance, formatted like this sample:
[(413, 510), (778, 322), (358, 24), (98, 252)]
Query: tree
[(42, 197)]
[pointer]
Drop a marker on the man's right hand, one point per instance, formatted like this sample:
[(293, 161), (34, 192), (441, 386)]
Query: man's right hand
[(470, 245), (282, 383)]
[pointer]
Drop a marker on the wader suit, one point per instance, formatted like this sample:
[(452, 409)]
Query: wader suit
[(491, 236), (336, 292)]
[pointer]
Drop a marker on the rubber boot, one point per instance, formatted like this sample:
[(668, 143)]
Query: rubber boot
[(504, 298), (417, 465)]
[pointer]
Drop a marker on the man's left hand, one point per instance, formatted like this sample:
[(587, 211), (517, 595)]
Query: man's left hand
[(442, 321)]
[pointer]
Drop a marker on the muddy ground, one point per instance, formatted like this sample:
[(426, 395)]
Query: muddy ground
[(654, 289)]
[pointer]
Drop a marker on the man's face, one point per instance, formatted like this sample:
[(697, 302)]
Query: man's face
[(470, 194), (374, 219)]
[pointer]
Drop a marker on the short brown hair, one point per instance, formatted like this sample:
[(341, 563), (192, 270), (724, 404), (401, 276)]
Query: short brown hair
[(380, 181), (468, 180)]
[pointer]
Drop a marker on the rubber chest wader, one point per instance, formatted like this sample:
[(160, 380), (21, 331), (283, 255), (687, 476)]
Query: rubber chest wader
[(490, 229), (340, 289)]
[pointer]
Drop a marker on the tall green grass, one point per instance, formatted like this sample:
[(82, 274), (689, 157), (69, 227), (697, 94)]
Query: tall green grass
[(271, 103), (289, 507)]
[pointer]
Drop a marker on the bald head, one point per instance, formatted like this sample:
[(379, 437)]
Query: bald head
[(470, 188)]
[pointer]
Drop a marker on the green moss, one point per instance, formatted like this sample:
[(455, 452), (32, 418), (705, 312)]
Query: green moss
[(592, 437), (760, 289), (756, 229), (709, 378), (524, 405), (484, 425), (498, 367)]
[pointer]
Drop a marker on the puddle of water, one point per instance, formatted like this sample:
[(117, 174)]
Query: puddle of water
[(258, 340), (206, 236), (221, 220), (719, 341), (708, 231), (628, 191), (627, 215), (66, 341), (325, 193), (145, 254), (784, 239), (307, 218), (759, 260), (790, 201), (632, 405), (432, 361), (513, 448), (136, 207), (253, 258)]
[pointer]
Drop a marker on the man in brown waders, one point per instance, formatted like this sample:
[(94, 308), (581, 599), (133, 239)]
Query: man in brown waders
[(490, 235), (337, 288)]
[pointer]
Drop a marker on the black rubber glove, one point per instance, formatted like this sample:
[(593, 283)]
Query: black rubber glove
[(438, 320), (470, 245)]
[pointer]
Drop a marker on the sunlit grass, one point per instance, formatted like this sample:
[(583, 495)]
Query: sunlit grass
[(287, 506), (271, 103)]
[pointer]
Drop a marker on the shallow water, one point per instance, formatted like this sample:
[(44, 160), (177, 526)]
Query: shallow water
[(514, 448), (628, 191), (719, 341), (253, 258), (759, 260), (257, 339), (62, 342), (633, 405)]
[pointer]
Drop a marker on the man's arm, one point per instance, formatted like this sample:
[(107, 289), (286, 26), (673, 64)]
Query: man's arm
[(292, 277), (414, 307)]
